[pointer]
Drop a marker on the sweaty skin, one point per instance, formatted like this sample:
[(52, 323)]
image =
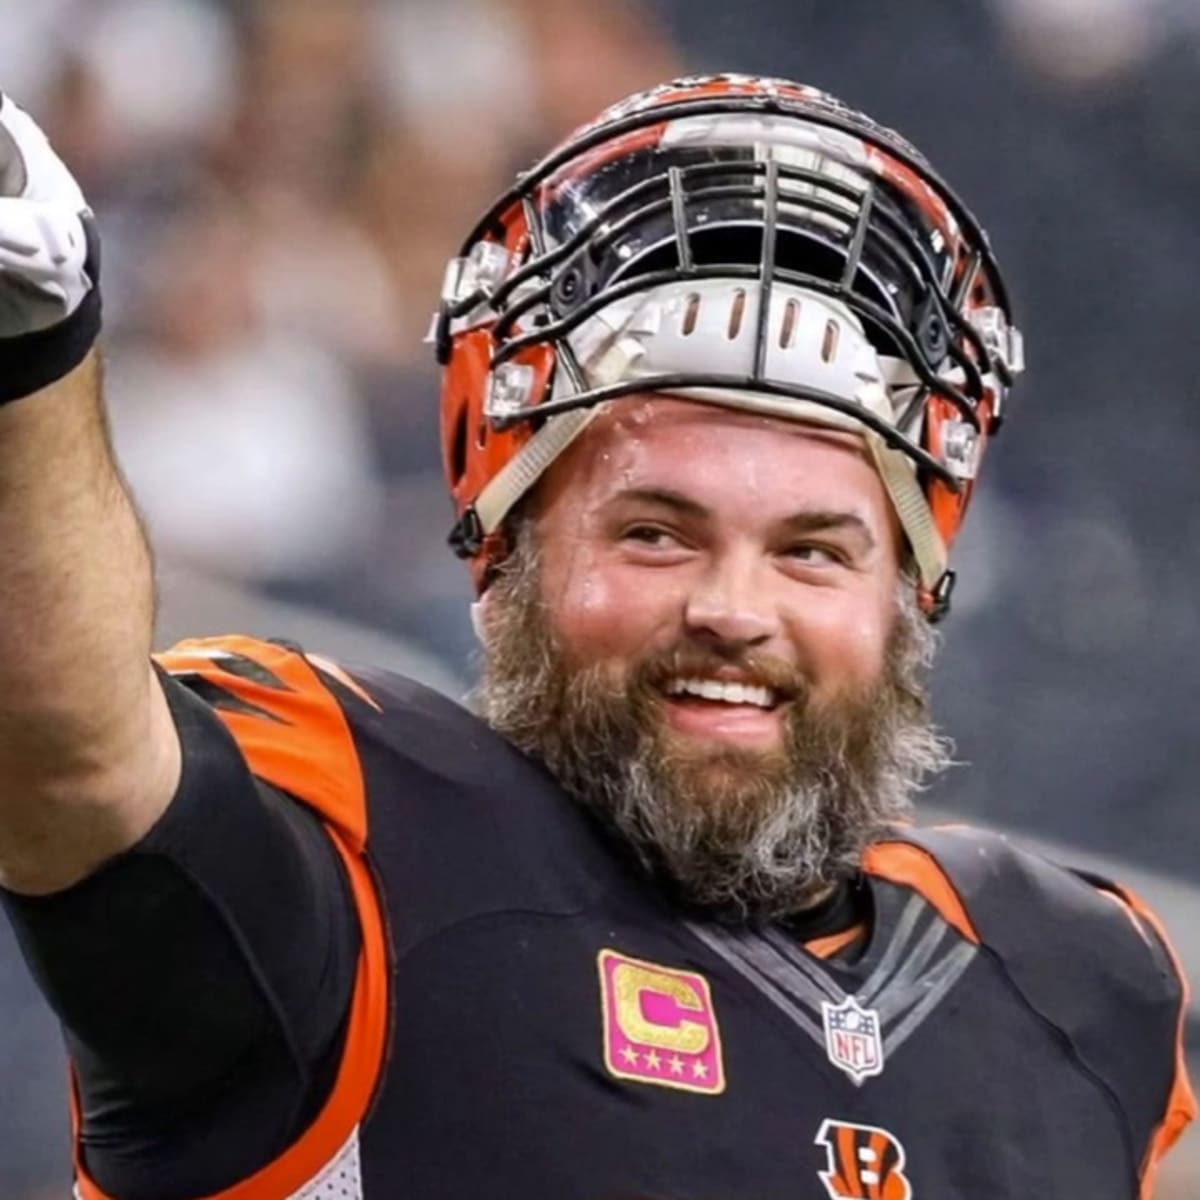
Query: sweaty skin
[(670, 521)]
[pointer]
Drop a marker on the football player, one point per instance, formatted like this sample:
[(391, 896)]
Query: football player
[(653, 920)]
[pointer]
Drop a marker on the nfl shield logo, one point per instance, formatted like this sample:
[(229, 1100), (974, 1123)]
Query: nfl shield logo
[(852, 1038)]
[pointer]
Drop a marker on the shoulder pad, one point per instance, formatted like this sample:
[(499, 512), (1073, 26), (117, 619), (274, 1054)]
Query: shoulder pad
[(1082, 954), (286, 710)]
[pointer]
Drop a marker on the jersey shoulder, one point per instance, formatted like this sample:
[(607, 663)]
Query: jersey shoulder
[(1005, 894), (302, 720), (1084, 953), (292, 716), (988, 870)]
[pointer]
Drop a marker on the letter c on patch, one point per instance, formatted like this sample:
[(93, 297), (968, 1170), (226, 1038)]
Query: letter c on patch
[(633, 984)]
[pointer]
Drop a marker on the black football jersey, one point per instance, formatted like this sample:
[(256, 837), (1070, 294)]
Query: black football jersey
[(535, 1017)]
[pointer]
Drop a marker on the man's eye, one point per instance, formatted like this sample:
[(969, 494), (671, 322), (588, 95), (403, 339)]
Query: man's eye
[(648, 535), (810, 552)]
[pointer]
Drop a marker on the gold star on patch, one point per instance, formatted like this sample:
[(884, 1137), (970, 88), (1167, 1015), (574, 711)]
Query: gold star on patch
[(699, 1070), (630, 1055), (676, 1065), (653, 1061)]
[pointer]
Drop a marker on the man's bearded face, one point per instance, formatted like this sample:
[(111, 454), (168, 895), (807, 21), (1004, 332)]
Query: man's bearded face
[(743, 831)]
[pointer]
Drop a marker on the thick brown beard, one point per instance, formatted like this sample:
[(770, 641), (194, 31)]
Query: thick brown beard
[(741, 833)]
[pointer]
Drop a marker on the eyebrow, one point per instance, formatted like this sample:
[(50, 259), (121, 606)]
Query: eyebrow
[(809, 520)]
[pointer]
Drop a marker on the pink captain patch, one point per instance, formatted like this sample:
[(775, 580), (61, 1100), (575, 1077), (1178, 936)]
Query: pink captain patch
[(659, 1025)]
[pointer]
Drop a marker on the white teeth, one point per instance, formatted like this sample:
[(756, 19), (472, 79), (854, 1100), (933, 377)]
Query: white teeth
[(729, 693)]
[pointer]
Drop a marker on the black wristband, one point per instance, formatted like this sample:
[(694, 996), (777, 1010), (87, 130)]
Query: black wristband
[(33, 361)]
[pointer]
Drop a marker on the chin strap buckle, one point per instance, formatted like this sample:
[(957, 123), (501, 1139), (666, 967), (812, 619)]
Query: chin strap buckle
[(936, 601), (466, 538)]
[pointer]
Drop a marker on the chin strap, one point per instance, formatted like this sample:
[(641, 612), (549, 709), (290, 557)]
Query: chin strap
[(929, 550), (525, 468)]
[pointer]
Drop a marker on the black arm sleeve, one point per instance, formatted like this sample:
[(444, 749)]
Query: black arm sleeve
[(203, 979)]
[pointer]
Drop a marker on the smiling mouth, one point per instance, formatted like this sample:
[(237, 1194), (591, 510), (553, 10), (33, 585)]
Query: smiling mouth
[(720, 692)]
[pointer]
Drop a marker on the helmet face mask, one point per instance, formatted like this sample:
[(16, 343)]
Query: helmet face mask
[(741, 242)]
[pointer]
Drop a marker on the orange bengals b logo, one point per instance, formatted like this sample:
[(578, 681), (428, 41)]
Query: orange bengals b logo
[(864, 1163)]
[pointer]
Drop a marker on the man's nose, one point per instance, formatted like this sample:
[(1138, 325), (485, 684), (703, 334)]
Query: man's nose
[(733, 603)]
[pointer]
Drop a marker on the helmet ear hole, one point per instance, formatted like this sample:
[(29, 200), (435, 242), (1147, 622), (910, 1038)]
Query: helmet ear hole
[(458, 447)]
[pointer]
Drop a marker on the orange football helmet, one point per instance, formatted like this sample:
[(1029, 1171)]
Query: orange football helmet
[(738, 241)]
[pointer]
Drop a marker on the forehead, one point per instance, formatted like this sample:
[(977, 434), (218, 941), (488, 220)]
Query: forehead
[(725, 459)]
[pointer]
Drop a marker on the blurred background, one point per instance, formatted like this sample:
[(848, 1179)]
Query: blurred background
[(280, 182)]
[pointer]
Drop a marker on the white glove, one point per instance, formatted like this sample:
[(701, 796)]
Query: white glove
[(49, 260)]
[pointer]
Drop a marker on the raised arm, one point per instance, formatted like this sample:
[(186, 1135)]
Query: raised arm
[(191, 926), (89, 757)]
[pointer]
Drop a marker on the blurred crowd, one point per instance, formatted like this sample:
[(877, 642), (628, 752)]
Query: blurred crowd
[(279, 184)]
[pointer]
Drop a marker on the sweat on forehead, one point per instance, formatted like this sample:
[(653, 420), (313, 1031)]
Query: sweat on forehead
[(679, 415), (713, 452)]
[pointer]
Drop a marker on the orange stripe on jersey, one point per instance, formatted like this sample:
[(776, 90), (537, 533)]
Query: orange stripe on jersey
[(362, 1059), (880, 1188), (827, 947), (320, 765), (847, 1138), (1181, 1104), (911, 866), (294, 734)]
